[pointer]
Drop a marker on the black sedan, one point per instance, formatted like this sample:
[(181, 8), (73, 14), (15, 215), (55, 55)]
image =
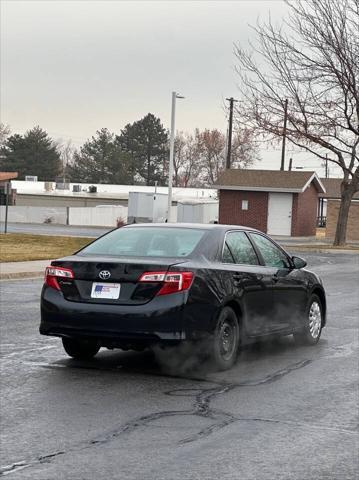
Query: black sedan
[(150, 284)]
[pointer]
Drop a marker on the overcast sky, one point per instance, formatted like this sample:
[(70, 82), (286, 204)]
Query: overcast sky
[(73, 66)]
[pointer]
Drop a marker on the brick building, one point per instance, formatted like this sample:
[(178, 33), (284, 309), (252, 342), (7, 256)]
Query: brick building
[(329, 202), (353, 220), (275, 202)]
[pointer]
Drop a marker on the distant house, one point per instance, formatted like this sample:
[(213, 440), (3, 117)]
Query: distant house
[(273, 201), (5, 178), (332, 189), (329, 203)]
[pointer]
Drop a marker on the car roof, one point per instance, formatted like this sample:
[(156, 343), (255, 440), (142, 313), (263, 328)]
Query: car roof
[(200, 226)]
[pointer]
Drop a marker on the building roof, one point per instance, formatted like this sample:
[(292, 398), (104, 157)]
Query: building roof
[(104, 190), (332, 187), (5, 176), (268, 180), (70, 194)]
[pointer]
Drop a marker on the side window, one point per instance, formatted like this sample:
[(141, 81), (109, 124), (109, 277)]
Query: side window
[(238, 249), (227, 256), (272, 255)]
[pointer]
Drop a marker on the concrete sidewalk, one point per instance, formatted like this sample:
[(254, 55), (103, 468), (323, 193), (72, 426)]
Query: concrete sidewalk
[(57, 230), (34, 268)]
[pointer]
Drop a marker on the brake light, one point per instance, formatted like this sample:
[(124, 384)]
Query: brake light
[(53, 273), (173, 282)]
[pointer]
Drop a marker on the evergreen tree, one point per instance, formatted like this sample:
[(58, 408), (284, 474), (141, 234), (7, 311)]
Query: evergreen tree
[(100, 160), (128, 143), (34, 153), (146, 141)]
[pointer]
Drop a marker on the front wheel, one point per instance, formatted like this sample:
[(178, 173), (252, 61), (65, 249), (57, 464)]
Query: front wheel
[(225, 341), (312, 329), (80, 349)]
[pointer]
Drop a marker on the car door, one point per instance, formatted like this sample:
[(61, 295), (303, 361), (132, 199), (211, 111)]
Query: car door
[(252, 282), (289, 287)]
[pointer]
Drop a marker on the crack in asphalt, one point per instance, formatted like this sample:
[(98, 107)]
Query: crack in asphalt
[(201, 408), (6, 470)]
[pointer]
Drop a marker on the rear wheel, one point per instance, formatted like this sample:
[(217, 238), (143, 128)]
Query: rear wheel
[(226, 338), (80, 349), (312, 328)]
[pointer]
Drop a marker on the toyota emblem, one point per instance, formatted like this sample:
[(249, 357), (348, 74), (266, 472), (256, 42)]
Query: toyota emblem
[(104, 274)]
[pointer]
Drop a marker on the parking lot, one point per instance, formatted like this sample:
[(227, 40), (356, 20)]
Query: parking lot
[(283, 411)]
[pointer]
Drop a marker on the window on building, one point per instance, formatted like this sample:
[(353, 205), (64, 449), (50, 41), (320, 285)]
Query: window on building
[(244, 204)]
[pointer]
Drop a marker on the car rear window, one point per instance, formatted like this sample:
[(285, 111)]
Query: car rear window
[(146, 242)]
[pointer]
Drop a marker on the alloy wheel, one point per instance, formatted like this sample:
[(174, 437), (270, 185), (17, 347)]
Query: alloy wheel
[(227, 338), (315, 319)]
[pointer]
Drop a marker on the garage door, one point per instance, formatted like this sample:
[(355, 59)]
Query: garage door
[(280, 213)]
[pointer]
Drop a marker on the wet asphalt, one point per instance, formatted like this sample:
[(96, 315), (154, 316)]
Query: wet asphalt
[(283, 412)]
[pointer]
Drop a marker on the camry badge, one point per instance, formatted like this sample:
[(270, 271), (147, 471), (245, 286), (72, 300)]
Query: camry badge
[(104, 274)]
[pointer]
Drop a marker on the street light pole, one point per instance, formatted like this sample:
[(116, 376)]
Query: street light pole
[(172, 145), (326, 166)]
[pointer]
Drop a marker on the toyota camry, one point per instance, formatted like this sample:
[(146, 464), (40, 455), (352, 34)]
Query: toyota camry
[(163, 284)]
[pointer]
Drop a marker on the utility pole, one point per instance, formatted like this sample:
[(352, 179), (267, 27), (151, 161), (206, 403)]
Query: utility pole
[(326, 166), (290, 164), (172, 145), (284, 133), (229, 143)]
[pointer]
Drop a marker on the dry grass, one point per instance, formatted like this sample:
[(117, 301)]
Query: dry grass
[(18, 247)]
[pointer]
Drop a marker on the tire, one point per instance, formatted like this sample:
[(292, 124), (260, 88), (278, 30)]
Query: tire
[(312, 329), (80, 349), (226, 339)]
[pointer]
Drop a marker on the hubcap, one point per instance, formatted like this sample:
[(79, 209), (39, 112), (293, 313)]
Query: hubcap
[(315, 319), (227, 339)]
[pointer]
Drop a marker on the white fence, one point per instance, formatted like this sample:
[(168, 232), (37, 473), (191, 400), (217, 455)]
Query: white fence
[(29, 214), (105, 216)]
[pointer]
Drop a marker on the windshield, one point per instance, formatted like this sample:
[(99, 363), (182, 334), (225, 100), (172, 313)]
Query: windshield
[(146, 242)]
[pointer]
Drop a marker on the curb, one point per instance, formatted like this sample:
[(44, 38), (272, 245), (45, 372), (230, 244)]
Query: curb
[(15, 275)]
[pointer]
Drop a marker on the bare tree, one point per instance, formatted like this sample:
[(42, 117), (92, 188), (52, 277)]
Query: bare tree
[(213, 143), (313, 61), (66, 150), (245, 149), (179, 157), (4, 133), (188, 162), (199, 158), (214, 151)]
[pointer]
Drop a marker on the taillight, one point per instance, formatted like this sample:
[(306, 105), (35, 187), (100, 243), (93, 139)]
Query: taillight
[(53, 273), (173, 282)]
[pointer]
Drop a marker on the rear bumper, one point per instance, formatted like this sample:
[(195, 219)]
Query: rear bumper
[(161, 319)]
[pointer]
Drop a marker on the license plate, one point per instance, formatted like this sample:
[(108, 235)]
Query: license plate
[(105, 290)]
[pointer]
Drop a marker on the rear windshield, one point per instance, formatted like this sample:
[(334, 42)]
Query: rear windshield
[(146, 242)]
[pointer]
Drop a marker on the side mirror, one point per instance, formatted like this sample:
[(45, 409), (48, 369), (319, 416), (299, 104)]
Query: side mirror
[(298, 262)]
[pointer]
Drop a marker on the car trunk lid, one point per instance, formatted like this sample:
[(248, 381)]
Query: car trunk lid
[(97, 278)]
